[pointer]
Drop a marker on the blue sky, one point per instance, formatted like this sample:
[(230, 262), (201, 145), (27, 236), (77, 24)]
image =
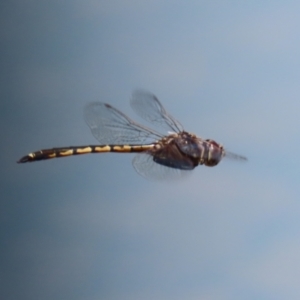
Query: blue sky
[(90, 227)]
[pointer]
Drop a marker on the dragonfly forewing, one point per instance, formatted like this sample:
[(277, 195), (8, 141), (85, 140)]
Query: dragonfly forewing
[(110, 126), (147, 106)]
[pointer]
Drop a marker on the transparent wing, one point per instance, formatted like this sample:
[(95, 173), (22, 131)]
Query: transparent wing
[(144, 164), (147, 106), (234, 156), (110, 126)]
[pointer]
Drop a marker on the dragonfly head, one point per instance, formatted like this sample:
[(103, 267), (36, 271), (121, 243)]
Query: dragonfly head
[(215, 153)]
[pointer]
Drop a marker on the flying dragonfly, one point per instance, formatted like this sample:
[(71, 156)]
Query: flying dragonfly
[(158, 155)]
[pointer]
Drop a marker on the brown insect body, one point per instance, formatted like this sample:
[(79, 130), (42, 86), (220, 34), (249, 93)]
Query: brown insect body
[(116, 132)]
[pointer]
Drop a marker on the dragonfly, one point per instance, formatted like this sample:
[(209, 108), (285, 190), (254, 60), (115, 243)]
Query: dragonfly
[(157, 155)]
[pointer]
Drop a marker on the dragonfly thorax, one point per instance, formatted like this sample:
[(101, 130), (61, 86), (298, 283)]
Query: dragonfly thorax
[(185, 151)]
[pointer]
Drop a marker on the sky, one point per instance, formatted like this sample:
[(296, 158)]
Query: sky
[(90, 227)]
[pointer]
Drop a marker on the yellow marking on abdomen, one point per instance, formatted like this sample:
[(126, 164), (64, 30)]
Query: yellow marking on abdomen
[(131, 148), (64, 153), (142, 147), (102, 149), (123, 148), (84, 150)]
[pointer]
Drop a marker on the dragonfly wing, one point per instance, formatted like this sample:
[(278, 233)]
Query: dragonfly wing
[(147, 106), (234, 156), (110, 126), (145, 165)]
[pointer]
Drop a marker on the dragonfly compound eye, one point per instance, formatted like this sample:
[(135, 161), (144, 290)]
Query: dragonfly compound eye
[(215, 154)]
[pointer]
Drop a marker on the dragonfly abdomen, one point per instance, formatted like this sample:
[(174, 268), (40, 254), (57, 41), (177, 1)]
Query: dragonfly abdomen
[(77, 150)]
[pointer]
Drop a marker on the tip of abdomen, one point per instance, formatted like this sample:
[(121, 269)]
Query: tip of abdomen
[(24, 159)]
